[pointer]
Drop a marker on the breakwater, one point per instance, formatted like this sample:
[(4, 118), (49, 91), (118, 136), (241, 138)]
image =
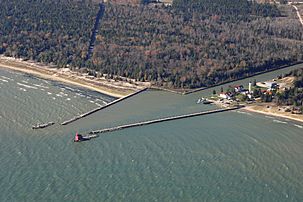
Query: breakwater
[(105, 130), (102, 107)]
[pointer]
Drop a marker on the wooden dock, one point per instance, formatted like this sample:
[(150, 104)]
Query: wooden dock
[(102, 107), (162, 120)]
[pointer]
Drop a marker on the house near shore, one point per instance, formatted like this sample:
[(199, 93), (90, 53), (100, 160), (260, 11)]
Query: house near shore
[(225, 95), (239, 89)]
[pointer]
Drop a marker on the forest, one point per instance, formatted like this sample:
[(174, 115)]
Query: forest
[(47, 31), (292, 96), (191, 44)]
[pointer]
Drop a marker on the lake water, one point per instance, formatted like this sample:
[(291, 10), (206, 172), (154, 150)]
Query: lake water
[(230, 156)]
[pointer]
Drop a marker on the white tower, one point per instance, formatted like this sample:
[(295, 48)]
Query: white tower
[(249, 87)]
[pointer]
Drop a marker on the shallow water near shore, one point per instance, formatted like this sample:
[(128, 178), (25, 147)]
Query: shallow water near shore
[(230, 156)]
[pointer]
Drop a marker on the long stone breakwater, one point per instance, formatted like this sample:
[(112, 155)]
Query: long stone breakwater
[(102, 107), (162, 120)]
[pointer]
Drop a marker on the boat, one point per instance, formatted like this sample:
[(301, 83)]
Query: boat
[(44, 125)]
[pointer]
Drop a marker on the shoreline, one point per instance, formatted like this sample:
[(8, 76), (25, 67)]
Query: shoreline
[(286, 115), (112, 88), (262, 109)]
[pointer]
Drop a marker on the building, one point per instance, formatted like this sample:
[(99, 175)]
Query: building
[(267, 84)]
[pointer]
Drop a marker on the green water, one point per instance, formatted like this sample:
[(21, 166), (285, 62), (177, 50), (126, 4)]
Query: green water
[(231, 156)]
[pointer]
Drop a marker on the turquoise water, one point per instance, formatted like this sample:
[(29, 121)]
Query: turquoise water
[(232, 156)]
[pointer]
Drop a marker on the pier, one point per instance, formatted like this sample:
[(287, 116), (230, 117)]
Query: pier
[(102, 107), (43, 125), (132, 125)]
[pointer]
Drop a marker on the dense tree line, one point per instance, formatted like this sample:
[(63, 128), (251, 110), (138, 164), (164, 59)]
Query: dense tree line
[(48, 31), (191, 44), (176, 47)]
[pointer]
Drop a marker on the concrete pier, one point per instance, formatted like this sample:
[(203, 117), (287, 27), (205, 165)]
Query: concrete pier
[(102, 107), (162, 120)]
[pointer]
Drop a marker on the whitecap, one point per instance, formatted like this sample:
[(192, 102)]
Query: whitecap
[(68, 99), (58, 95), (69, 88), (4, 77), (91, 101), (26, 86), (22, 89), (3, 80), (41, 86), (277, 121), (53, 98), (299, 126), (49, 93), (241, 112)]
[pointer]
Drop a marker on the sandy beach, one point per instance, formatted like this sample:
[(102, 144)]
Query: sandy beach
[(262, 108), (106, 86), (273, 111)]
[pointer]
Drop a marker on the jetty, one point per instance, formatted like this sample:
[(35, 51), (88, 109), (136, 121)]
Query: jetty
[(102, 107), (105, 130), (44, 125)]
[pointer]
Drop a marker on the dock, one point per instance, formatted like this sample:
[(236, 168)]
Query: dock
[(102, 107), (143, 123)]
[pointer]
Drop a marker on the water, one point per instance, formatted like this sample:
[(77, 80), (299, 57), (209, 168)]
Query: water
[(231, 156)]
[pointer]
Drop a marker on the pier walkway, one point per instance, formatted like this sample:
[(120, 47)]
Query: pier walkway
[(102, 107), (163, 120)]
